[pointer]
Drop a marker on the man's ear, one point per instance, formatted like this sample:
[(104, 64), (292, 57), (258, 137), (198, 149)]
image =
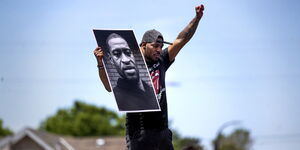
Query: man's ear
[(143, 45)]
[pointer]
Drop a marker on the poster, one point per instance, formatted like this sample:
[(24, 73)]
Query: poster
[(126, 70)]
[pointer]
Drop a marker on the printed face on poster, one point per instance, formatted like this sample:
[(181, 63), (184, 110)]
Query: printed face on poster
[(127, 71)]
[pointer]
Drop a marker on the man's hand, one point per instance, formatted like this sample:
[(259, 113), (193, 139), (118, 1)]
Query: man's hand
[(199, 11), (98, 52)]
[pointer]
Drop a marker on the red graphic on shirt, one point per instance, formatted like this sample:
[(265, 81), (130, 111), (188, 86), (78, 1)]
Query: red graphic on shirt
[(155, 80)]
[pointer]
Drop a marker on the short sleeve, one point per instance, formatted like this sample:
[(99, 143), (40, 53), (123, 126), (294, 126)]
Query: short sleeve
[(165, 59)]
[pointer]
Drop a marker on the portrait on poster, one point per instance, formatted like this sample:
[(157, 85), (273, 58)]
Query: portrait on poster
[(126, 70)]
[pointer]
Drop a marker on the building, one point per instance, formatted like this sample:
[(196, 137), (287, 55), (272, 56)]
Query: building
[(29, 139)]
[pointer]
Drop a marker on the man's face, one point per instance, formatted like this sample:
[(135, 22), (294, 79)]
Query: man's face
[(123, 59), (152, 51)]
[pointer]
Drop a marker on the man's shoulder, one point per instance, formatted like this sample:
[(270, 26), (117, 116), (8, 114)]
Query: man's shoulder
[(165, 59), (165, 51)]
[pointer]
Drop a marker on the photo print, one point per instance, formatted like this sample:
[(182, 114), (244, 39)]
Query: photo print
[(126, 71)]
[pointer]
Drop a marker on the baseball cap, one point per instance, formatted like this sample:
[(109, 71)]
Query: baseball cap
[(153, 36)]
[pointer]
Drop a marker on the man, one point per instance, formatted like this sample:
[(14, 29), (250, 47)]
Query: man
[(132, 93), (149, 130)]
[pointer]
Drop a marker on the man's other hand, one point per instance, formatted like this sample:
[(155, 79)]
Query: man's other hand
[(98, 52)]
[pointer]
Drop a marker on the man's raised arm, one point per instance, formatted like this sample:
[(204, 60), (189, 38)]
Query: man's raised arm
[(186, 34)]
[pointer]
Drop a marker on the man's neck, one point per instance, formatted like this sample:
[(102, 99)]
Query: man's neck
[(151, 62)]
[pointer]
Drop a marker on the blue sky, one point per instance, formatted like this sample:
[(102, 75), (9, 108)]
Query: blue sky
[(242, 63)]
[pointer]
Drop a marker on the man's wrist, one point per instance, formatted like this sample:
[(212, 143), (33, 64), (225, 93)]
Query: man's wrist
[(100, 67), (198, 17)]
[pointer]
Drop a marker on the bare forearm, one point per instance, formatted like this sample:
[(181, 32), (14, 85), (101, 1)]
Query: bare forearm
[(102, 74), (104, 79), (187, 33), (184, 36)]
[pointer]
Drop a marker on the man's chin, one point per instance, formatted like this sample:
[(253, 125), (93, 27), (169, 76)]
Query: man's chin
[(155, 59), (132, 80), (132, 77)]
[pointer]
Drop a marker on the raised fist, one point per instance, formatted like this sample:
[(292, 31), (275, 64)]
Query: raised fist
[(199, 11)]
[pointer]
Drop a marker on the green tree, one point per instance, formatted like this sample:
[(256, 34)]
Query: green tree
[(186, 143), (239, 139), (4, 131), (85, 120)]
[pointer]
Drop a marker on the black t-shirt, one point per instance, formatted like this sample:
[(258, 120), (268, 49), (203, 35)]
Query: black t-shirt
[(153, 120)]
